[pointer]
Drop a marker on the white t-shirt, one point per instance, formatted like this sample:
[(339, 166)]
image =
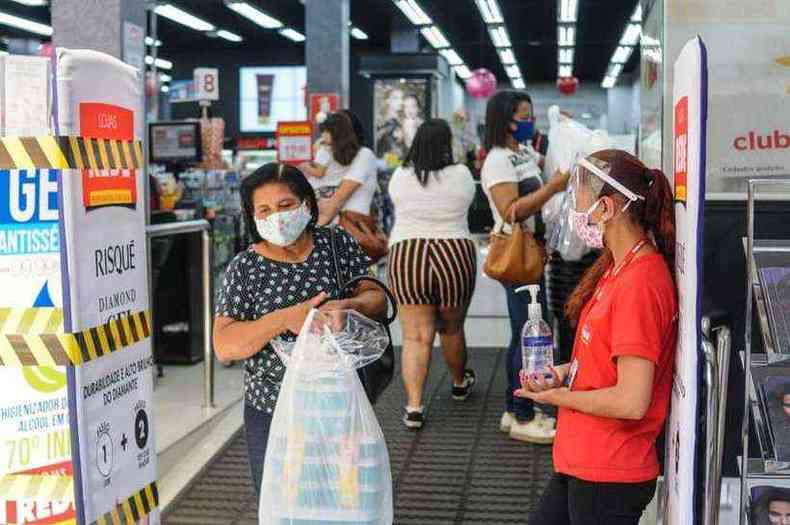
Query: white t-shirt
[(334, 170), (364, 170), (505, 165), (437, 211)]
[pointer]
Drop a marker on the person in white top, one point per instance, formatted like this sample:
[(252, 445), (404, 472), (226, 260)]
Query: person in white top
[(432, 262), (512, 181), (351, 202)]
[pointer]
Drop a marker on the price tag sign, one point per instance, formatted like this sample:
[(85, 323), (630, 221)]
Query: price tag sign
[(294, 142), (206, 83)]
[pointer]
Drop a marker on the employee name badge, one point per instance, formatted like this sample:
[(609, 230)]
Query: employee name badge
[(572, 373)]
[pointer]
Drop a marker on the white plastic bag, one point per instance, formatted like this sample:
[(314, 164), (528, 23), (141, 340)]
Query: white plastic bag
[(326, 459)]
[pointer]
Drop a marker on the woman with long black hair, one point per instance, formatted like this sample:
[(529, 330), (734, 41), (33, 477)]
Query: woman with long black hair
[(432, 264), (512, 181), (613, 396)]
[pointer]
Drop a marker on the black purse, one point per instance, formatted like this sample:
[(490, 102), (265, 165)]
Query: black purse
[(376, 376)]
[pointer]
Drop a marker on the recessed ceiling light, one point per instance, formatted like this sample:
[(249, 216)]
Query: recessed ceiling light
[(358, 34), (435, 37), (161, 63), (452, 57), (499, 36), (180, 16), (413, 12), (490, 11), (566, 71), (33, 3), (518, 83), (463, 72), (227, 35), (507, 57), (254, 14), (25, 24), (292, 34)]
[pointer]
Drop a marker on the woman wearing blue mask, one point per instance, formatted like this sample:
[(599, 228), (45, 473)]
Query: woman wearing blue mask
[(269, 289), (512, 181)]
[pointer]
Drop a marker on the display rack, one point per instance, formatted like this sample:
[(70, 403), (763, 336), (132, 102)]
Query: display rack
[(768, 300)]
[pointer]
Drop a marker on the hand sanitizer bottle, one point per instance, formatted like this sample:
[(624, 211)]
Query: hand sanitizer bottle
[(537, 343)]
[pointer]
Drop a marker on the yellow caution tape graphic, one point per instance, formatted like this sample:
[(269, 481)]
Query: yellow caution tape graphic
[(133, 509), (31, 321), (50, 350), (48, 152), (37, 486)]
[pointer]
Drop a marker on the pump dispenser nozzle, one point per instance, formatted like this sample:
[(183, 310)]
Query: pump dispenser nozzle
[(535, 311)]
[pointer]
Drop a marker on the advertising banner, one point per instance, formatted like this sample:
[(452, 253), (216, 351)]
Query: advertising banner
[(684, 485), (322, 104), (105, 252), (294, 142)]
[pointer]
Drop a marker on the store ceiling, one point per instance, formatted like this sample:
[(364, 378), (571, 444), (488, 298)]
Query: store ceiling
[(532, 25)]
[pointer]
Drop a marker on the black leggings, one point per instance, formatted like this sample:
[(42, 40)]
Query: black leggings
[(571, 501), (256, 427)]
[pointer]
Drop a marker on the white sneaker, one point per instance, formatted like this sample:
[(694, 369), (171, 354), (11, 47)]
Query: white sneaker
[(506, 422), (537, 431)]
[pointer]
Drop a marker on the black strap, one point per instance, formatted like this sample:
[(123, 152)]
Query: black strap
[(345, 288)]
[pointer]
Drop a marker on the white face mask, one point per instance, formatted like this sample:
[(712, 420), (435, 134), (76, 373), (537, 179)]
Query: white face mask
[(283, 228)]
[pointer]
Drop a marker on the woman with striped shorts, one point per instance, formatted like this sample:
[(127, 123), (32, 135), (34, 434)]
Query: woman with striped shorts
[(432, 262)]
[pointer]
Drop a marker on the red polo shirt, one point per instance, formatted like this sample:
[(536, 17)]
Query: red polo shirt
[(634, 313)]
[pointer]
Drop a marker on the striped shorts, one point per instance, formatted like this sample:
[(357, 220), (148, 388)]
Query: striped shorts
[(438, 272)]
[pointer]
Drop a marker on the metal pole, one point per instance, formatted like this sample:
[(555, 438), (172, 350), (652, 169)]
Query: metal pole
[(723, 343), (208, 354), (747, 353)]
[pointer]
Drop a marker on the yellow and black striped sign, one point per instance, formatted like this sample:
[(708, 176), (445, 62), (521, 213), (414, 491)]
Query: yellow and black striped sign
[(31, 321), (48, 349), (131, 511), (48, 152), (38, 487)]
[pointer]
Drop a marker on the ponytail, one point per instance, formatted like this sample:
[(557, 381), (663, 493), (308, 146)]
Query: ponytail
[(656, 215)]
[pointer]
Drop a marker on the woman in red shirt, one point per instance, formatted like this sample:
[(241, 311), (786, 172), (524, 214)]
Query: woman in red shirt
[(614, 396)]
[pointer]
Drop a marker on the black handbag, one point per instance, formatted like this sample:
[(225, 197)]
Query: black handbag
[(376, 376)]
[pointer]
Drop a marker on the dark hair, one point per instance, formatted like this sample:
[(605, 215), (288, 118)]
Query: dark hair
[(276, 173), (345, 144), (359, 129), (431, 150), (499, 115), (655, 215), (761, 507)]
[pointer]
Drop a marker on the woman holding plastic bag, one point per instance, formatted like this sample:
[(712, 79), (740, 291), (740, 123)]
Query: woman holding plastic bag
[(269, 290)]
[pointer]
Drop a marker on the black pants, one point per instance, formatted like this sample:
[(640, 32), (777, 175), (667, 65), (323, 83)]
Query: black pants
[(256, 427), (571, 501)]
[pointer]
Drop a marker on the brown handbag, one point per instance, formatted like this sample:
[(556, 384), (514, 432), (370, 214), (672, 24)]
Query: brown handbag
[(364, 229), (517, 258)]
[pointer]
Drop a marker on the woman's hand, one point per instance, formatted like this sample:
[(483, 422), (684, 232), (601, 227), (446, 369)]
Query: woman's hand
[(546, 397), (538, 382), (559, 181), (294, 316)]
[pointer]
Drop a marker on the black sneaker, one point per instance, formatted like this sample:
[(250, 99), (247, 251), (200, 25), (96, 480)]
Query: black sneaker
[(460, 393), (413, 419)]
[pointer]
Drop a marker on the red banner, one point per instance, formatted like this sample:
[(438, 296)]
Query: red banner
[(681, 149), (105, 121)]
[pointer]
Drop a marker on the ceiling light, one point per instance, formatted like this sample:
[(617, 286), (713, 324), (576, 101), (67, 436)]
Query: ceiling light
[(292, 34), (165, 78), (631, 35), (452, 57), (567, 36), (568, 10), (513, 71), (150, 42), (490, 11), (25, 24), (256, 15), (507, 57), (566, 71), (161, 63), (414, 12), (621, 54), (608, 82), (615, 70), (435, 37), (463, 72), (565, 56), (165, 89), (180, 16), (358, 34), (518, 83), (33, 3), (637, 16), (499, 36), (227, 35)]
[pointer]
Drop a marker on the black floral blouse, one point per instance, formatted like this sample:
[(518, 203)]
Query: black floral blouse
[(254, 286)]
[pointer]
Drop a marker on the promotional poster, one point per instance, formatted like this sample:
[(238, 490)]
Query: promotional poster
[(689, 153), (400, 107)]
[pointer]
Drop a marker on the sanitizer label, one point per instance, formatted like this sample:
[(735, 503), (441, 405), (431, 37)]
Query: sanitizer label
[(543, 340)]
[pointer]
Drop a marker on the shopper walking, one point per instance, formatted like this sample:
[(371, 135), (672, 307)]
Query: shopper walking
[(512, 181), (432, 264), (352, 201), (614, 396), (269, 289)]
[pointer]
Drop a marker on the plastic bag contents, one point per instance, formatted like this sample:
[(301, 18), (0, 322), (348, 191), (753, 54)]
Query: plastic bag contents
[(326, 460)]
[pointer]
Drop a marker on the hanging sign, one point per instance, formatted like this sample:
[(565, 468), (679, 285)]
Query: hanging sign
[(294, 142), (321, 105), (206, 83), (685, 482)]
